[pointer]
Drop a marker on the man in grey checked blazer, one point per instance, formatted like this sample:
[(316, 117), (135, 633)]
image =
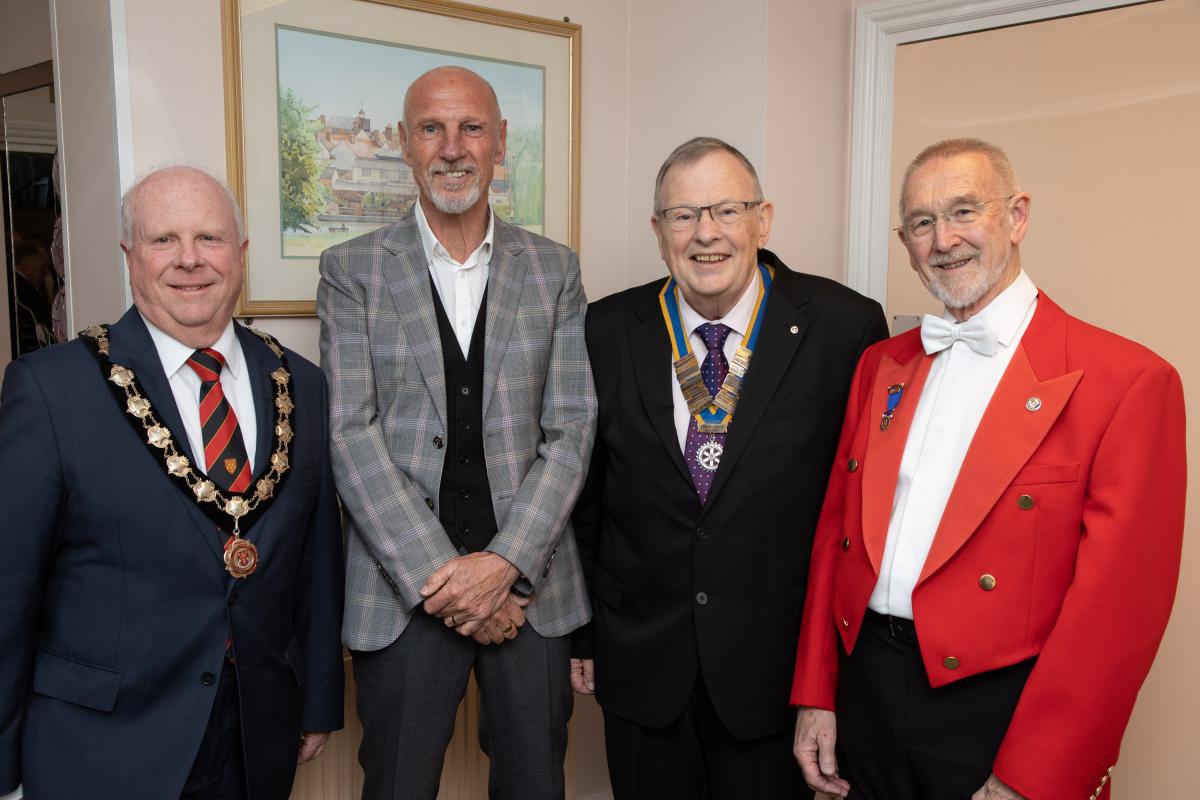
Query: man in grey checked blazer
[(462, 419)]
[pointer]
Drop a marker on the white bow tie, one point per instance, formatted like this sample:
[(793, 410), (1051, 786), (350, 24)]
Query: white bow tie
[(937, 334)]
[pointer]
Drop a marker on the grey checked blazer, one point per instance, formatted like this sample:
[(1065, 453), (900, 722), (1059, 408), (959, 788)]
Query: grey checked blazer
[(381, 351)]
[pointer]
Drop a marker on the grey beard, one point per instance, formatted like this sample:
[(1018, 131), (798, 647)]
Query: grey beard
[(455, 205)]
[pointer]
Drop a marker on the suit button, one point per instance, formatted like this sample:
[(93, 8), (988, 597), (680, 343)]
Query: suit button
[(950, 662), (701, 533), (1025, 502), (853, 465), (428, 502), (233, 598), (438, 442), (702, 598), (208, 679), (846, 543), (987, 582), (464, 390)]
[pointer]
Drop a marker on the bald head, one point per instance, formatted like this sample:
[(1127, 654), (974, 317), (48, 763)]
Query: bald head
[(129, 201), (455, 79)]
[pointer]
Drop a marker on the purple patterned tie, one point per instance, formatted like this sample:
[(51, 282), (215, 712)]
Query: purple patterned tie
[(703, 450)]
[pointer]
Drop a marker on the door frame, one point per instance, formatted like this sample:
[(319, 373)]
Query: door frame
[(879, 29)]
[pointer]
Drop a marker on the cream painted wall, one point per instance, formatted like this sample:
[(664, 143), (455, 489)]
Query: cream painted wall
[(1100, 115)]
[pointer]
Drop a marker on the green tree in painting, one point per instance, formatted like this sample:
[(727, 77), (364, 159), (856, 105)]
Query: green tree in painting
[(301, 193), (524, 162)]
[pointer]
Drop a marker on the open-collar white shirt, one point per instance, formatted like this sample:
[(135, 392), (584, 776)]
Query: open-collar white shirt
[(460, 286), (957, 391), (185, 386)]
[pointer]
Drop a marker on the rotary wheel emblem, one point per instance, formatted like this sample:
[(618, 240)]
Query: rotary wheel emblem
[(708, 456)]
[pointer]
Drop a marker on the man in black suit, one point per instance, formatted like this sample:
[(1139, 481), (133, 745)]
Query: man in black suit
[(171, 577), (721, 395)]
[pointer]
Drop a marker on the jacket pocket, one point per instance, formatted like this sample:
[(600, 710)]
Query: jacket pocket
[(83, 684), (1047, 473)]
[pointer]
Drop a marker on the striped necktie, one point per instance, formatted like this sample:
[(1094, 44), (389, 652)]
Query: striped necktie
[(224, 451)]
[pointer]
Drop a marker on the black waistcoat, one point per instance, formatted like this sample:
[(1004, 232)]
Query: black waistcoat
[(465, 498)]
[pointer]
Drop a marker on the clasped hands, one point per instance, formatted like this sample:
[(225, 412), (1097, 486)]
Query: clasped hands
[(472, 594), (813, 747)]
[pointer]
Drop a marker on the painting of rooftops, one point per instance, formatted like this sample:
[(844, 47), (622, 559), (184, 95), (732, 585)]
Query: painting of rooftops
[(341, 170)]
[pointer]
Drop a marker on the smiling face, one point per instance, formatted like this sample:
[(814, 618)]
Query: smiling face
[(185, 255), (712, 263), (453, 138), (965, 268)]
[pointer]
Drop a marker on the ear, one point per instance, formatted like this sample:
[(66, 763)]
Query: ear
[(660, 235), (1019, 215), (402, 134), (501, 149), (766, 215)]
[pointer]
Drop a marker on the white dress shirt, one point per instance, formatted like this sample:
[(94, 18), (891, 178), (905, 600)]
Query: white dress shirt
[(956, 393), (460, 286), (185, 385), (738, 320)]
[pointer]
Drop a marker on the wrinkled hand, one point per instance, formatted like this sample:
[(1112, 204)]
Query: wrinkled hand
[(816, 735), (503, 625), (469, 589), (311, 745), (996, 789), (583, 675)]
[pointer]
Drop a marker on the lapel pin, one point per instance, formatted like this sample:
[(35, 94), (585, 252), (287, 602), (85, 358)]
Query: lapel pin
[(794, 329), (894, 393), (1033, 404)]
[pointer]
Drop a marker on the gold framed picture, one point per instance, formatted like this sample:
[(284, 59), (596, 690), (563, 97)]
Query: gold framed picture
[(314, 93)]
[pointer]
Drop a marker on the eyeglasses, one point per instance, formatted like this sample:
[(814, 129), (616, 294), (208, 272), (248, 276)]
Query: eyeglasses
[(960, 217), (684, 218)]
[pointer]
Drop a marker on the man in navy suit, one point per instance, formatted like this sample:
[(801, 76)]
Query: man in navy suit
[(171, 576)]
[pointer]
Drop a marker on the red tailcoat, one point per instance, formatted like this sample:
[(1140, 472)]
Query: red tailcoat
[(1070, 497)]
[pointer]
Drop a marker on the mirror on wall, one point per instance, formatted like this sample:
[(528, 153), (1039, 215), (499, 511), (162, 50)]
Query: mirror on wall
[(32, 226)]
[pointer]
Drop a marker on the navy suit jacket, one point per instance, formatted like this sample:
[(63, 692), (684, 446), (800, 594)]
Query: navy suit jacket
[(115, 605)]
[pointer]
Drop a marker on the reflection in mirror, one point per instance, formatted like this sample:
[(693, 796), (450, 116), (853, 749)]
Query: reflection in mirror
[(32, 226)]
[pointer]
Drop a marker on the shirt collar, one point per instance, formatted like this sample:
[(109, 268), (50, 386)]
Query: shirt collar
[(434, 249), (1007, 313), (738, 318), (174, 354)]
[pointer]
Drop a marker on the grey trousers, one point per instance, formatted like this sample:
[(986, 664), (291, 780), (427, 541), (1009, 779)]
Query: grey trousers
[(409, 691)]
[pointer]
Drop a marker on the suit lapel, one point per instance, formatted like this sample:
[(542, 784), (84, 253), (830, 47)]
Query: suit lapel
[(506, 278), (131, 346), (785, 325), (407, 275), (1012, 428), (260, 363), (884, 448), (650, 350)]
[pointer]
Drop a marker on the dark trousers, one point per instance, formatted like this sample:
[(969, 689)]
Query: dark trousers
[(696, 758), (219, 771), (899, 739), (409, 691)]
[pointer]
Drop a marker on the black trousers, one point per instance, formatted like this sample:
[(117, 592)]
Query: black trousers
[(219, 771), (696, 758), (900, 739), (409, 691)]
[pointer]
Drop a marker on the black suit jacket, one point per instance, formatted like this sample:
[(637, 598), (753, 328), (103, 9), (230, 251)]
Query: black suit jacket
[(114, 602), (678, 587)]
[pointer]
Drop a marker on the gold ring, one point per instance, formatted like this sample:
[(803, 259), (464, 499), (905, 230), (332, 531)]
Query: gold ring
[(508, 629)]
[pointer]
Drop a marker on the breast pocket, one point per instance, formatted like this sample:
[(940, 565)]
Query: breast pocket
[(1047, 473)]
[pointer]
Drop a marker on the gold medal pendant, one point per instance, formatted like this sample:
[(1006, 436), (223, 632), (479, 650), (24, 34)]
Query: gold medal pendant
[(241, 557)]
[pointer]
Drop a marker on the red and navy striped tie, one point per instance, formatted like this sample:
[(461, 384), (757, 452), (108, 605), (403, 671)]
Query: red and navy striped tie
[(224, 450)]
